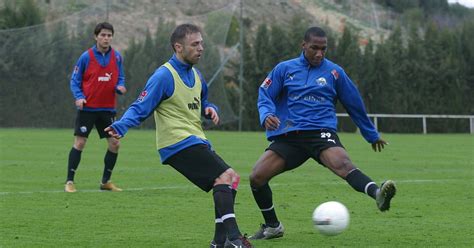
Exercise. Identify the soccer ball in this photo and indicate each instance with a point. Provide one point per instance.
(331, 218)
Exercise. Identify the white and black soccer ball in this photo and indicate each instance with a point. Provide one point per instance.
(331, 218)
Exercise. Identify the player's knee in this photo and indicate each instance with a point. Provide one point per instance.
(343, 167)
(114, 145)
(79, 144)
(347, 164)
(226, 177)
(257, 180)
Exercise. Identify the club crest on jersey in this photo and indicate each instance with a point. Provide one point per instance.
(321, 81)
(266, 83)
(142, 96)
(335, 74)
(107, 77)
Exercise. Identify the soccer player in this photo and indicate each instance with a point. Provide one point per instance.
(176, 94)
(296, 104)
(97, 77)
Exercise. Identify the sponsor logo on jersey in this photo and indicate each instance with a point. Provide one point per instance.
(194, 105)
(266, 83)
(321, 81)
(107, 77)
(335, 74)
(76, 69)
(142, 96)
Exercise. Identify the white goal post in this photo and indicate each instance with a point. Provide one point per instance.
(423, 117)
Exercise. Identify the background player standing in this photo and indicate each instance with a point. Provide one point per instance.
(97, 77)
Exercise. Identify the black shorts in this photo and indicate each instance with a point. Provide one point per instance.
(85, 121)
(199, 164)
(298, 146)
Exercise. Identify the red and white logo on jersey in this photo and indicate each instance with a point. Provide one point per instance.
(142, 95)
(266, 83)
(106, 78)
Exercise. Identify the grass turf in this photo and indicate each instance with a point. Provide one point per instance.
(434, 206)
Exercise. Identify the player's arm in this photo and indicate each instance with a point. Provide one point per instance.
(209, 110)
(350, 98)
(158, 88)
(76, 80)
(120, 88)
(267, 95)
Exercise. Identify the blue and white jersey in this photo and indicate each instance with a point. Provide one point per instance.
(304, 97)
(160, 86)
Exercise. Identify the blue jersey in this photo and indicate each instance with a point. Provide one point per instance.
(160, 86)
(81, 66)
(304, 97)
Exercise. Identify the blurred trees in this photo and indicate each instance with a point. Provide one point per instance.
(417, 70)
(423, 67)
(17, 14)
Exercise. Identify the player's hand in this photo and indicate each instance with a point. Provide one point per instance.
(122, 89)
(211, 112)
(80, 103)
(112, 132)
(272, 122)
(379, 145)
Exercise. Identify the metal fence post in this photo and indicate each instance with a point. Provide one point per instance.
(471, 125)
(424, 125)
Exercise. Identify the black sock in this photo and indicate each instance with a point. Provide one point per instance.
(220, 233)
(234, 194)
(73, 163)
(109, 164)
(224, 204)
(362, 183)
(263, 197)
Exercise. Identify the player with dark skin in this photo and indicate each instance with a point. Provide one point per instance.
(309, 133)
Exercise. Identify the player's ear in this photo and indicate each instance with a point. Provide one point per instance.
(178, 47)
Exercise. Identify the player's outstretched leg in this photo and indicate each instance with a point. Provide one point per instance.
(385, 194)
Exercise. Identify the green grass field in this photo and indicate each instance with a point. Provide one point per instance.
(434, 206)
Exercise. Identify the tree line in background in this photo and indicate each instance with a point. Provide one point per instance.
(425, 66)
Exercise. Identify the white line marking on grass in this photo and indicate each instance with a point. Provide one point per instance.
(192, 186)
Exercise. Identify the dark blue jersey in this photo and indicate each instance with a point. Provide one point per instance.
(304, 97)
